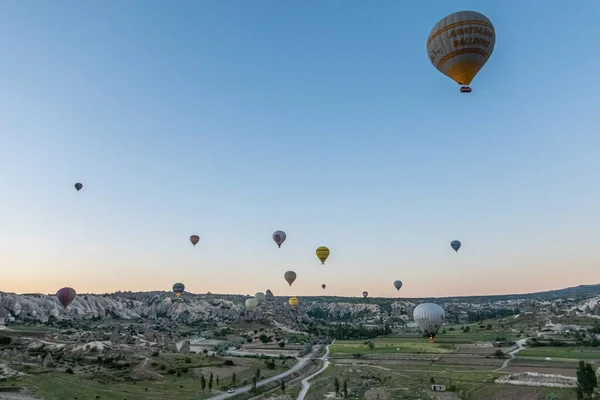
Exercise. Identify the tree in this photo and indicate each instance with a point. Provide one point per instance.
(202, 383)
(345, 389)
(336, 385)
(253, 388)
(233, 378)
(257, 375)
(217, 380)
(432, 381)
(498, 353)
(282, 385)
(586, 380)
(264, 338)
(281, 344)
(371, 345)
(210, 382)
(467, 329)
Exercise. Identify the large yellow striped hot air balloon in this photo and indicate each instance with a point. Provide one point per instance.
(293, 301)
(460, 44)
(322, 254)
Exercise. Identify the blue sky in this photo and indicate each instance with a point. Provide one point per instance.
(232, 119)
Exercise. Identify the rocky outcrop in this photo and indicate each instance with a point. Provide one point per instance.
(48, 361)
(185, 347)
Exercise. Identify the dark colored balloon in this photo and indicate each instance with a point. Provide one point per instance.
(455, 244)
(323, 286)
(78, 186)
(178, 287)
(65, 296)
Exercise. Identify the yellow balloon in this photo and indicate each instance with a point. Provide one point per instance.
(293, 302)
(322, 254)
(177, 294)
(460, 44)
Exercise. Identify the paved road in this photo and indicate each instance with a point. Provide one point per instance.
(305, 384)
(301, 363)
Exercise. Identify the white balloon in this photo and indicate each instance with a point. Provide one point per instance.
(460, 44)
(251, 303)
(429, 317)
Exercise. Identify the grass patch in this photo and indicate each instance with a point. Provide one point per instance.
(390, 345)
(584, 353)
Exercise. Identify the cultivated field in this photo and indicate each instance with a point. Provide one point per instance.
(404, 367)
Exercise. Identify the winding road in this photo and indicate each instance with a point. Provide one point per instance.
(305, 384)
(521, 344)
(301, 363)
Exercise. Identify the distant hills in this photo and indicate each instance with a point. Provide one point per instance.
(576, 291)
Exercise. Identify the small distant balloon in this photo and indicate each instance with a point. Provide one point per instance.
(279, 237)
(178, 288)
(65, 296)
(194, 239)
(251, 303)
(290, 277)
(293, 301)
(323, 286)
(365, 294)
(455, 244)
(78, 186)
(269, 295)
(322, 254)
(260, 297)
(398, 285)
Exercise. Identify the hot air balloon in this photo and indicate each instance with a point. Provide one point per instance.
(260, 297)
(365, 294)
(429, 317)
(455, 244)
(323, 286)
(194, 239)
(322, 254)
(65, 296)
(460, 44)
(178, 288)
(290, 277)
(251, 303)
(398, 285)
(279, 237)
(269, 295)
(293, 301)
(78, 186)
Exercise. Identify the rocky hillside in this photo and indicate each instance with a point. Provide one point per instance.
(212, 309)
(192, 309)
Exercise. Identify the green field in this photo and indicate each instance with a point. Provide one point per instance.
(394, 382)
(475, 335)
(389, 345)
(584, 353)
(172, 376)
